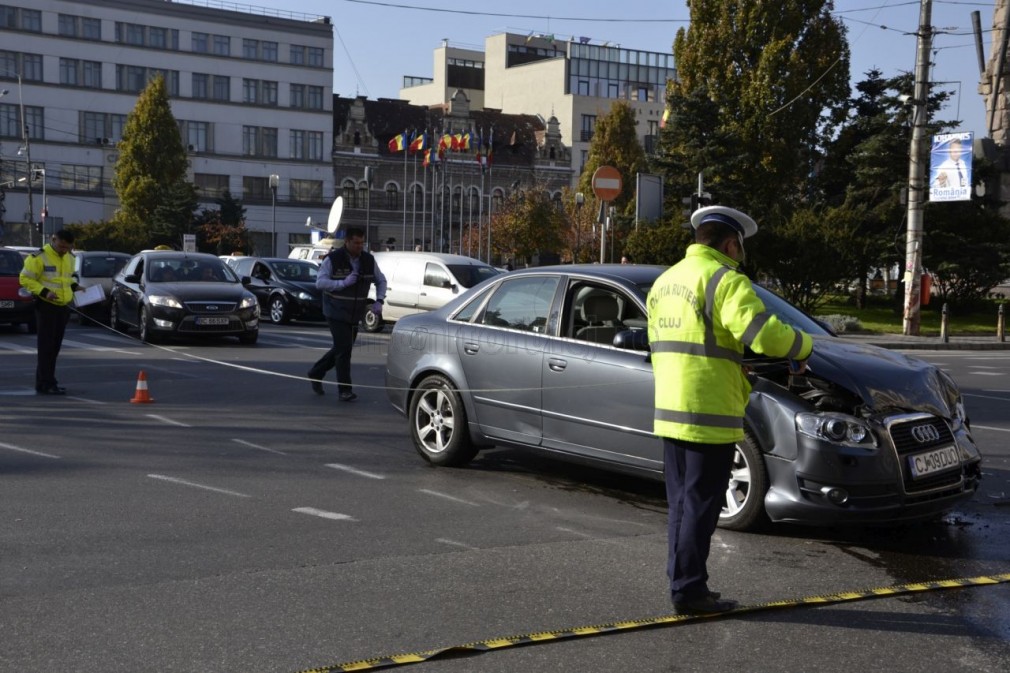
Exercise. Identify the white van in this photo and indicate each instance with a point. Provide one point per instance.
(423, 281)
(313, 253)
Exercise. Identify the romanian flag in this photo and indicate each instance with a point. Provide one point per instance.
(464, 142)
(490, 147)
(477, 144)
(445, 143)
(398, 143)
(419, 144)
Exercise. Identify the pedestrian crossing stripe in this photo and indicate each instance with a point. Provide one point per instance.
(653, 622)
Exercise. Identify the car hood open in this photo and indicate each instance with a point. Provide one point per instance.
(884, 379)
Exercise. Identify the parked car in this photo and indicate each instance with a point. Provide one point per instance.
(556, 359)
(17, 306)
(422, 281)
(169, 293)
(93, 267)
(286, 288)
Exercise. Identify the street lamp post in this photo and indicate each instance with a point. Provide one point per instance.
(274, 181)
(579, 200)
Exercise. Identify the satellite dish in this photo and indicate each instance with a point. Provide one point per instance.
(308, 222)
(336, 210)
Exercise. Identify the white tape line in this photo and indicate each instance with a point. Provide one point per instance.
(183, 482)
(169, 421)
(448, 497)
(352, 470)
(335, 516)
(11, 447)
(257, 446)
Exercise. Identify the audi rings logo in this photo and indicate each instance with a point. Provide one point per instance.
(925, 434)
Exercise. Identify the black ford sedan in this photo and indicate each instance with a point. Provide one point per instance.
(167, 293)
(556, 359)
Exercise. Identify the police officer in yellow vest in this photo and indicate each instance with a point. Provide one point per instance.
(702, 312)
(48, 275)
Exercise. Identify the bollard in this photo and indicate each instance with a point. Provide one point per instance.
(944, 318)
(1000, 324)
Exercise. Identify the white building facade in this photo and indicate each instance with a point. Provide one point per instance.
(252, 93)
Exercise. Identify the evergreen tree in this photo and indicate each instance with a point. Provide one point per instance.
(615, 143)
(151, 158)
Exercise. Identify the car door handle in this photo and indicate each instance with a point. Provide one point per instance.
(557, 364)
(471, 348)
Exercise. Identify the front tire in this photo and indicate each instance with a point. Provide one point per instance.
(147, 334)
(745, 494)
(279, 314)
(438, 423)
(372, 322)
(114, 321)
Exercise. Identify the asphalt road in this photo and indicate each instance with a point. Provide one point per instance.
(242, 523)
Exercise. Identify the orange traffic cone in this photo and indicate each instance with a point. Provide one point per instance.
(142, 396)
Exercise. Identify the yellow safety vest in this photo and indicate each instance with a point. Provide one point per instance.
(45, 269)
(702, 312)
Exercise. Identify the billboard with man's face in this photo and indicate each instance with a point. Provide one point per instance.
(950, 167)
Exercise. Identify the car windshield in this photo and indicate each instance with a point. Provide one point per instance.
(296, 270)
(785, 311)
(11, 262)
(189, 271)
(469, 275)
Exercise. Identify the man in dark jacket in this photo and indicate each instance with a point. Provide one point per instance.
(344, 277)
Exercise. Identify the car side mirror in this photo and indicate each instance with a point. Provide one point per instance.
(632, 339)
(246, 280)
(132, 278)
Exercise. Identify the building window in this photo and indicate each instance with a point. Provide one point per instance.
(588, 127)
(315, 56)
(306, 97)
(268, 51)
(31, 20)
(91, 29)
(297, 55)
(80, 178)
(67, 25)
(69, 70)
(10, 121)
(201, 85)
(221, 88)
(101, 128)
(297, 92)
(200, 43)
(196, 135)
(133, 79)
(222, 45)
(307, 190)
(211, 185)
(250, 48)
(259, 141)
(255, 189)
(74, 72)
(259, 92)
(315, 98)
(363, 196)
(497, 200)
(307, 145)
(31, 67)
(158, 38)
(91, 74)
(348, 192)
(392, 197)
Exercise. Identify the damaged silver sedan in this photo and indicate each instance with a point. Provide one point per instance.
(556, 359)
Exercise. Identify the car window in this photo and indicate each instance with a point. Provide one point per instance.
(469, 275)
(300, 271)
(523, 304)
(94, 266)
(242, 266)
(596, 313)
(470, 309)
(11, 262)
(260, 271)
(435, 275)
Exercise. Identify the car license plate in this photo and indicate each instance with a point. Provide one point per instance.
(6, 303)
(212, 321)
(937, 460)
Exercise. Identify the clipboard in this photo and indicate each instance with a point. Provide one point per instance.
(89, 295)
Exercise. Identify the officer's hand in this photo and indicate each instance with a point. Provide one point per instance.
(351, 279)
(377, 309)
(797, 366)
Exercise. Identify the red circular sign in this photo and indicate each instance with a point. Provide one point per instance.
(607, 183)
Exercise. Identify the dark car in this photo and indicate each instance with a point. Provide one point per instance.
(556, 359)
(167, 293)
(95, 267)
(286, 288)
(16, 305)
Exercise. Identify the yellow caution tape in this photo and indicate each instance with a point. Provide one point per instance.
(667, 620)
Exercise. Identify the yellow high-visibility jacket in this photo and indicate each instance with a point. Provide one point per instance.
(702, 312)
(45, 269)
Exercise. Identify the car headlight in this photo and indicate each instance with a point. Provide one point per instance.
(305, 296)
(164, 300)
(837, 428)
(248, 301)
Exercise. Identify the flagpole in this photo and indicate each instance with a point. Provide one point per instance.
(406, 151)
(413, 207)
(490, 200)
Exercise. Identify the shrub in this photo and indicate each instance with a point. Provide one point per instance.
(842, 323)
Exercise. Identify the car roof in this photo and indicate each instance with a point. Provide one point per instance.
(177, 254)
(636, 274)
(444, 257)
(101, 253)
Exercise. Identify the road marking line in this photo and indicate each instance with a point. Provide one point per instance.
(85, 399)
(169, 421)
(360, 473)
(987, 373)
(448, 497)
(257, 446)
(335, 516)
(183, 482)
(989, 427)
(34, 453)
(987, 397)
(572, 531)
(17, 349)
(456, 544)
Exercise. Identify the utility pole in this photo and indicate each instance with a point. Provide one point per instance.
(28, 158)
(917, 173)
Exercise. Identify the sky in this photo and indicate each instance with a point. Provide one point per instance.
(377, 42)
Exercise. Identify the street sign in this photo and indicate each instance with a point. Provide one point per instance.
(607, 183)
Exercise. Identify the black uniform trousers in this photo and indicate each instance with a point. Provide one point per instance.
(344, 335)
(697, 476)
(51, 321)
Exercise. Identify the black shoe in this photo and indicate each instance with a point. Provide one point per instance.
(51, 390)
(317, 385)
(706, 605)
(348, 397)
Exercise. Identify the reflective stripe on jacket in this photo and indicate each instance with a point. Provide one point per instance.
(45, 269)
(702, 312)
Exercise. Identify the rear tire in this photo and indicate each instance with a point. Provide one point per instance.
(748, 484)
(372, 322)
(438, 423)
